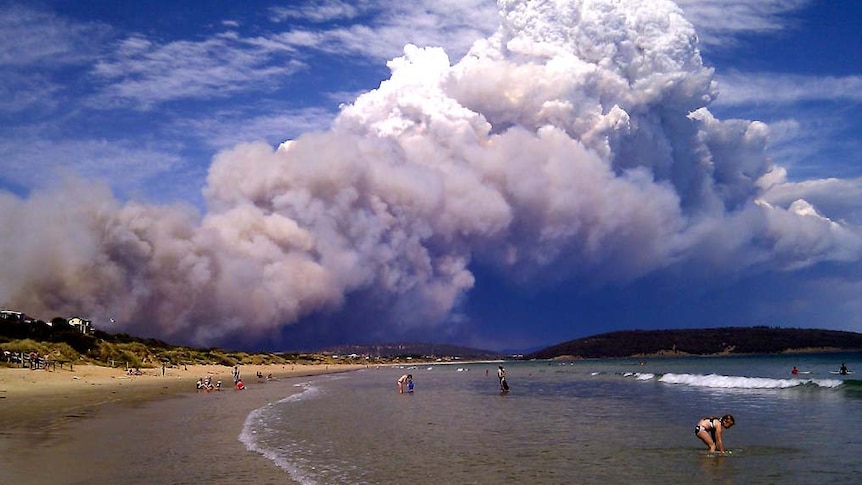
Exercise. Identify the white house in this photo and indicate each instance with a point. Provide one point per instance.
(83, 326)
(14, 316)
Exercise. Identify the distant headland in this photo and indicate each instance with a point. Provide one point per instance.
(706, 341)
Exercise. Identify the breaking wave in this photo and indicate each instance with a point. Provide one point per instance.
(734, 382)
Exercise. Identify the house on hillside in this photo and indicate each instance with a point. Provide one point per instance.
(83, 326)
(12, 316)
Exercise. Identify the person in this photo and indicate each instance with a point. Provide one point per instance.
(403, 380)
(710, 431)
(843, 369)
(501, 375)
(794, 371)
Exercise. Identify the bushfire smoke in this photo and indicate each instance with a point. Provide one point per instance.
(574, 146)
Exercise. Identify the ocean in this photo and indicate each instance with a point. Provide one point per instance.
(591, 421)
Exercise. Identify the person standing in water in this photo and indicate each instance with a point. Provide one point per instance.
(501, 375)
(405, 379)
(710, 429)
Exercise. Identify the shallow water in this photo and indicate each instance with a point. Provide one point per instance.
(604, 421)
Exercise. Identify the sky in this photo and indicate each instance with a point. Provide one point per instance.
(293, 175)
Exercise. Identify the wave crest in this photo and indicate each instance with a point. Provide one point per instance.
(739, 382)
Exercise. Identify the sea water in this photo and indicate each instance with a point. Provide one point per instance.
(591, 421)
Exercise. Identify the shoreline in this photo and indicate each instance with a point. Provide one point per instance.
(99, 425)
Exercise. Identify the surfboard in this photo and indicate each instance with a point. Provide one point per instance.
(505, 385)
(841, 373)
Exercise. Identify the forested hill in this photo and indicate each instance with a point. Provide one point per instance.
(708, 341)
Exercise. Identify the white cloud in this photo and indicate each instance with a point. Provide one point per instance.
(322, 11)
(34, 92)
(839, 199)
(721, 22)
(36, 162)
(454, 25)
(810, 117)
(145, 73)
(35, 37)
(229, 128)
(38, 48)
(752, 89)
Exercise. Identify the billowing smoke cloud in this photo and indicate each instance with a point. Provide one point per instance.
(574, 146)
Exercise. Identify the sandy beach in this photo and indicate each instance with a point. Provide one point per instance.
(95, 424)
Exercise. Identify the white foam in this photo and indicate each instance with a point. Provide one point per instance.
(248, 434)
(738, 382)
(638, 375)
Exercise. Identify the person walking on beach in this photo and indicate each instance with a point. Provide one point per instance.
(710, 429)
(501, 375)
(404, 380)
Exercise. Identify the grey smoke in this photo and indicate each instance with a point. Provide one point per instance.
(574, 145)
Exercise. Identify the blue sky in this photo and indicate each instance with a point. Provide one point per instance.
(289, 175)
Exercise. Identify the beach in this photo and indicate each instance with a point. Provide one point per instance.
(92, 424)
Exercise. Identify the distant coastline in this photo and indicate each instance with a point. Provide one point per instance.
(669, 354)
(713, 342)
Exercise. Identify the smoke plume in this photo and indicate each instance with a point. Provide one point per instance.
(574, 146)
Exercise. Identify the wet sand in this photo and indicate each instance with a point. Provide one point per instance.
(98, 425)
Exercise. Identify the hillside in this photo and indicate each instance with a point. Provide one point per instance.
(59, 342)
(708, 341)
